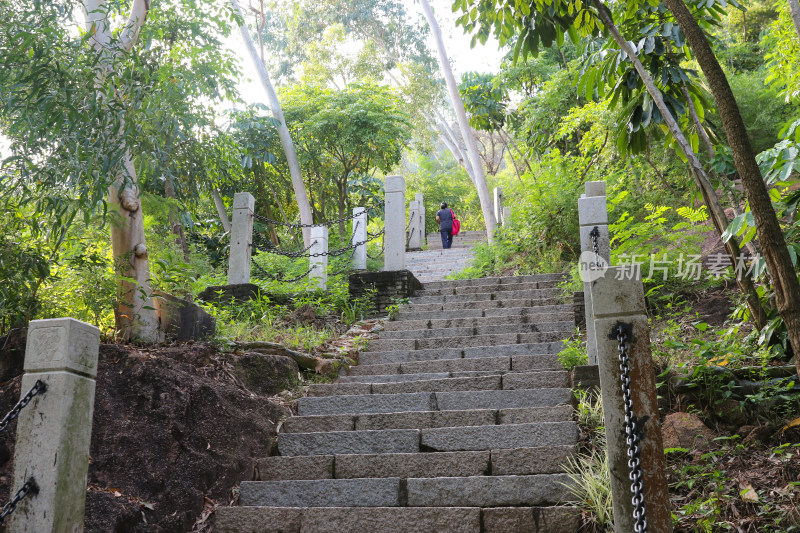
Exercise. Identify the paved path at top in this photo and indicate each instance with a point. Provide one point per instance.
(434, 264)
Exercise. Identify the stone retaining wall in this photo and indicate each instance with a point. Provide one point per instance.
(388, 286)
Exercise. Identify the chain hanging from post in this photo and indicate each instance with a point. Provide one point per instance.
(261, 246)
(327, 223)
(373, 236)
(595, 235)
(349, 262)
(279, 277)
(30, 487)
(410, 234)
(632, 433)
(40, 387)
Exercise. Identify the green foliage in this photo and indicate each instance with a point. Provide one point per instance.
(588, 471)
(441, 179)
(485, 99)
(783, 55)
(343, 137)
(22, 270)
(573, 354)
(711, 495)
(763, 112)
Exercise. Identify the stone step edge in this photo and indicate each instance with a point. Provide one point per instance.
(516, 381)
(426, 419)
(492, 462)
(252, 519)
(398, 367)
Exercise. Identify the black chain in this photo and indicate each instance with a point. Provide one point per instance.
(279, 277)
(373, 236)
(327, 223)
(40, 387)
(271, 250)
(349, 263)
(595, 235)
(632, 435)
(410, 234)
(30, 487)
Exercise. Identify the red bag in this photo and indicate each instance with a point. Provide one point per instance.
(456, 224)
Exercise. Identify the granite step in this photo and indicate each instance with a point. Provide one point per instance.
(411, 441)
(474, 491)
(539, 319)
(426, 419)
(495, 280)
(506, 363)
(465, 341)
(528, 294)
(492, 381)
(514, 324)
(548, 459)
(432, 401)
(429, 354)
(555, 519)
(450, 314)
(478, 289)
(486, 305)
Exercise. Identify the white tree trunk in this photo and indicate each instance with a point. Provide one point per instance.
(450, 140)
(794, 13)
(223, 215)
(135, 315)
(299, 187)
(463, 124)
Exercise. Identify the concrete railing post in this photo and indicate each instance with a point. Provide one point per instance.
(423, 240)
(498, 205)
(618, 301)
(359, 235)
(592, 213)
(413, 239)
(319, 264)
(54, 431)
(395, 223)
(241, 238)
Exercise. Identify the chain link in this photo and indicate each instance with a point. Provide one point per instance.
(327, 223)
(595, 235)
(40, 387)
(279, 277)
(30, 487)
(272, 250)
(632, 434)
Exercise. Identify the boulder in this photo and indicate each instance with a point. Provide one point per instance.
(182, 320)
(685, 430)
(265, 374)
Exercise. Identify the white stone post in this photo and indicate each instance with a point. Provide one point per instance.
(54, 431)
(593, 213)
(241, 238)
(394, 255)
(498, 204)
(413, 240)
(419, 197)
(506, 215)
(319, 265)
(360, 234)
(618, 301)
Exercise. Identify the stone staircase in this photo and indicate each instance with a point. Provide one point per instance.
(456, 420)
(435, 263)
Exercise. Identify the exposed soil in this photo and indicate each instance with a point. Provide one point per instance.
(174, 432)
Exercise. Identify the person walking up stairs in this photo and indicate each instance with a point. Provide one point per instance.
(436, 263)
(456, 420)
